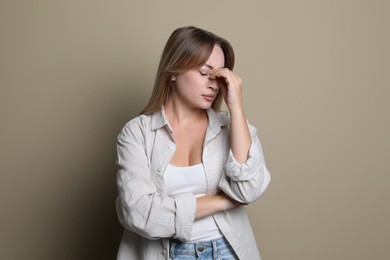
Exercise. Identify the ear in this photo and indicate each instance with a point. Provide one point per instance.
(173, 78)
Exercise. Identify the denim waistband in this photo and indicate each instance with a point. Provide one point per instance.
(198, 249)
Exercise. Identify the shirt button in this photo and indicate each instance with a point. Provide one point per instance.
(200, 248)
(171, 147)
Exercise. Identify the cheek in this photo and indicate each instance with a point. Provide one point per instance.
(192, 81)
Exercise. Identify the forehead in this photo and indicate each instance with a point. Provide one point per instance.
(216, 59)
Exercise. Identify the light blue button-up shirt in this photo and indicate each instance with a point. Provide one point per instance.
(145, 147)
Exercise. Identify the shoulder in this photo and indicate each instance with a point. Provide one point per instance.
(220, 118)
(135, 127)
(224, 118)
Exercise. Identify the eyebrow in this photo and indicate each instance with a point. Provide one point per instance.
(209, 66)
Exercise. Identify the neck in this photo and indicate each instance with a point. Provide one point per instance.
(181, 114)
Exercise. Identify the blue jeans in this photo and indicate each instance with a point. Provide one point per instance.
(219, 249)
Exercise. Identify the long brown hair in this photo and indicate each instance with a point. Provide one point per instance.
(187, 48)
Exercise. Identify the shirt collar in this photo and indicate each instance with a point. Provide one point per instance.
(216, 121)
(159, 120)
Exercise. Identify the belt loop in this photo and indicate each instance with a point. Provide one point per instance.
(215, 249)
(168, 249)
(171, 249)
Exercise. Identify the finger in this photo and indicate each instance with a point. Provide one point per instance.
(227, 74)
(221, 74)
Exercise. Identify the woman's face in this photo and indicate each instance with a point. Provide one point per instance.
(194, 87)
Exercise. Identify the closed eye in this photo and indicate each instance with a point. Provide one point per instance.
(203, 74)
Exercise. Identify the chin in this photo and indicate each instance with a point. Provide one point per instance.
(205, 107)
(201, 105)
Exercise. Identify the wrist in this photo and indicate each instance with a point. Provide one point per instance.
(236, 110)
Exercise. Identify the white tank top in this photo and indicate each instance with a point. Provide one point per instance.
(192, 179)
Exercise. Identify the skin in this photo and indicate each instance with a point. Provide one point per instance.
(192, 93)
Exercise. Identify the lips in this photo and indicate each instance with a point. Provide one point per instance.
(209, 98)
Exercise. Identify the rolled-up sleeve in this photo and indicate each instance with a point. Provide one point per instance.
(245, 182)
(140, 206)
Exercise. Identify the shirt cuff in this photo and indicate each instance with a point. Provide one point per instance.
(243, 171)
(185, 215)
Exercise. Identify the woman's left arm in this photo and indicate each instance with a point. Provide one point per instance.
(246, 175)
(231, 87)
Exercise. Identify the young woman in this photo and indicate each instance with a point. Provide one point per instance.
(186, 170)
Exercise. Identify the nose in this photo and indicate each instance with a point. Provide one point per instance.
(213, 84)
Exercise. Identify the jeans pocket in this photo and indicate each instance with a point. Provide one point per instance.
(226, 252)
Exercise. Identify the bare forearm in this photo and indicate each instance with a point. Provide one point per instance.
(240, 136)
(231, 87)
(208, 205)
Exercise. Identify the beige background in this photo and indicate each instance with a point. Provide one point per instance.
(316, 78)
